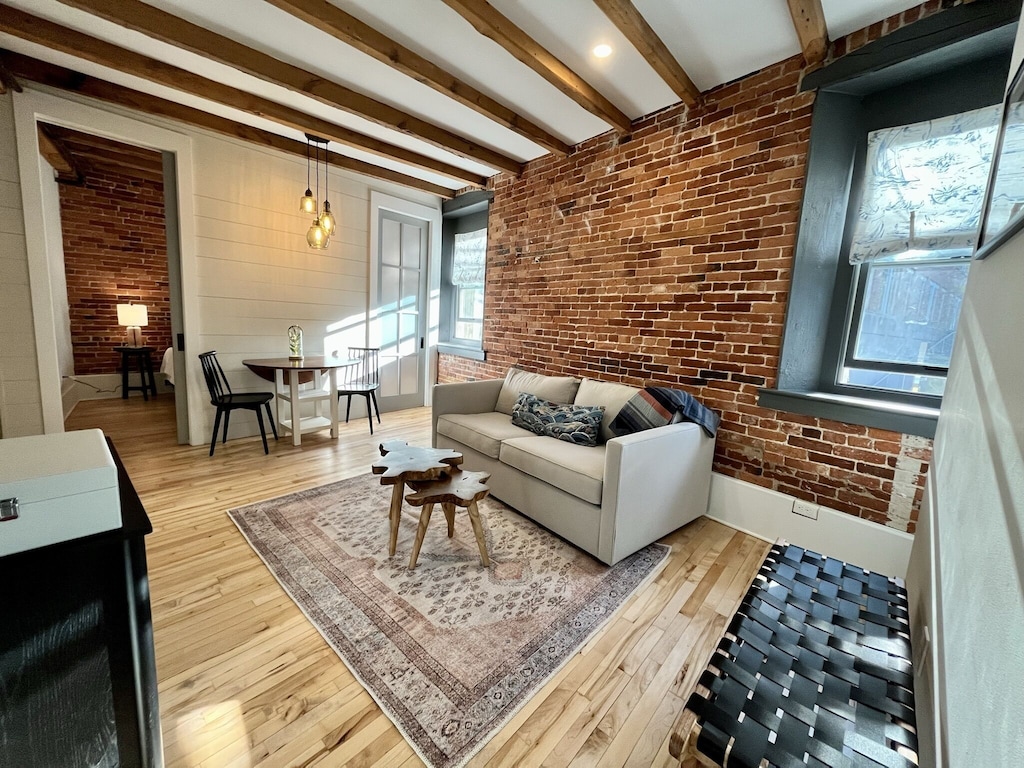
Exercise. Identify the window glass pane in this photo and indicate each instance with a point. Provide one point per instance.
(470, 331)
(897, 382)
(909, 313)
(471, 303)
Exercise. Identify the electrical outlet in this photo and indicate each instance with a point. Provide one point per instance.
(806, 509)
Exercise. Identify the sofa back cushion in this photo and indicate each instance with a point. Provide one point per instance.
(611, 396)
(557, 389)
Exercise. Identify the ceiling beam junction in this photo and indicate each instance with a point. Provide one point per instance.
(57, 155)
(809, 22)
(364, 38)
(624, 15)
(61, 78)
(8, 82)
(493, 25)
(50, 35)
(173, 30)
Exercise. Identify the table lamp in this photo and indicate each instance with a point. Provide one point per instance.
(133, 316)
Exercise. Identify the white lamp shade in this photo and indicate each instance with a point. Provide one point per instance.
(132, 315)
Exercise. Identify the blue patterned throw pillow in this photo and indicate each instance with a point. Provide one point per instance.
(578, 424)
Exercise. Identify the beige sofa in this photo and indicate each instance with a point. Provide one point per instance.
(610, 500)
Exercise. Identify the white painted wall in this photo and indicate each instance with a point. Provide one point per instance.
(58, 277)
(966, 575)
(253, 274)
(21, 411)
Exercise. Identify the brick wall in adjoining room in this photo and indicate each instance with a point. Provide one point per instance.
(115, 252)
(664, 257)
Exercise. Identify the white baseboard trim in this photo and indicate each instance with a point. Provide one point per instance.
(769, 515)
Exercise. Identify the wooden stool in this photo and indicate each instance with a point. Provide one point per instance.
(461, 488)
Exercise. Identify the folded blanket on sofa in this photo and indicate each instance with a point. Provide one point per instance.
(658, 406)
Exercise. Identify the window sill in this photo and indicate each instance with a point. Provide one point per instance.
(865, 411)
(473, 353)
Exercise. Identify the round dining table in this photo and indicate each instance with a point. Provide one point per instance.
(287, 374)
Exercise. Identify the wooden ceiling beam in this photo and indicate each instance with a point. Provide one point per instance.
(624, 15)
(113, 159)
(8, 82)
(364, 38)
(809, 22)
(61, 78)
(50, 35)
(176, 31)
(58, 156)
(493, 25)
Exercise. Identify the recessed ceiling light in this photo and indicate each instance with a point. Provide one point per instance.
(602, 51)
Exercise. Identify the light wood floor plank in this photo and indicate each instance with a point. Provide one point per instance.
(246, 681)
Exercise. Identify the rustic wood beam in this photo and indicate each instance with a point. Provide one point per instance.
(8, 82)
(125, 162)
(58, 156)
(50, 35)
(624, 15)
(171, 29)
(492, 24)
(55, 76)
(809, 22)
(364, 38)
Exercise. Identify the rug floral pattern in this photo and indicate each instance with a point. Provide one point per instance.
(450, 650)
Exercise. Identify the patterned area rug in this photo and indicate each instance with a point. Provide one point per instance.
(451, 650)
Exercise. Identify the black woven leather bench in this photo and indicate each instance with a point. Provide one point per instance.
(814, 670)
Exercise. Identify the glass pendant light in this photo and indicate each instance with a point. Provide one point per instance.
(317, 237)
(327, 218)
(307, 204)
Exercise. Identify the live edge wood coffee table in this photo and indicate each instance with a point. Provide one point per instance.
(402, 464)
(460, 488)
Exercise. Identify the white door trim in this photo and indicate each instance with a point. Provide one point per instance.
(432, 309)
(31, 106)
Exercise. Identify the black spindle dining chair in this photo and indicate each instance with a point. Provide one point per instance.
(362, 378)
(226, 401)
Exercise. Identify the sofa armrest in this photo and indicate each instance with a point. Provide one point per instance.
(655, 482)
(463, 397)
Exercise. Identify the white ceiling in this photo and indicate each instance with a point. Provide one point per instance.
(714, 41)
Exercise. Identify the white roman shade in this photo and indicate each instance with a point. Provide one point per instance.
(924, 185)
(469, 257)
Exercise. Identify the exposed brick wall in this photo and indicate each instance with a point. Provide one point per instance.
(115, 252)
(664, 257)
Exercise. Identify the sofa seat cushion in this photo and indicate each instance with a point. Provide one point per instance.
(482, 432)
(575, 469)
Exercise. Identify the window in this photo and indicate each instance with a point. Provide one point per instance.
(917, 223)
(463, 274)
(868, 342)
(469, 259)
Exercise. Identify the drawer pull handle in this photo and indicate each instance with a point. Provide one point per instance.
(9, 509)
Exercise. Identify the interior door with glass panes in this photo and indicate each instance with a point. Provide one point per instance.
(401, 309)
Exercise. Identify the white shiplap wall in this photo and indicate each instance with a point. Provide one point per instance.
(21, 411)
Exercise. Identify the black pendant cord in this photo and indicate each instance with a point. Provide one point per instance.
(307, 163)
(327, 176)
(317, 178)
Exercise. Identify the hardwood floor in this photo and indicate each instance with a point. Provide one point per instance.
(246, 681)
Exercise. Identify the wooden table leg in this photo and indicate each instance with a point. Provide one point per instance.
(474, 518)
(449, 513)
(421, 531)
(395, 515)
(293, 390)
(333, 374)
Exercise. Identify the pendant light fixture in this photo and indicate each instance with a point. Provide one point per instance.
(308, 203)
(319, 234)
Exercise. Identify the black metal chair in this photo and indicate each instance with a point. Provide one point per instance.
(226, 401)
(363, 379)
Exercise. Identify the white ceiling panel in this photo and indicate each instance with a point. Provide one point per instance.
(843, 16)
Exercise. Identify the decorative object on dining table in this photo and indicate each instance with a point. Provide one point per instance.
(294, 342)
(449, 651)
(1003, 212)
(133, 317)
(319, 234)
